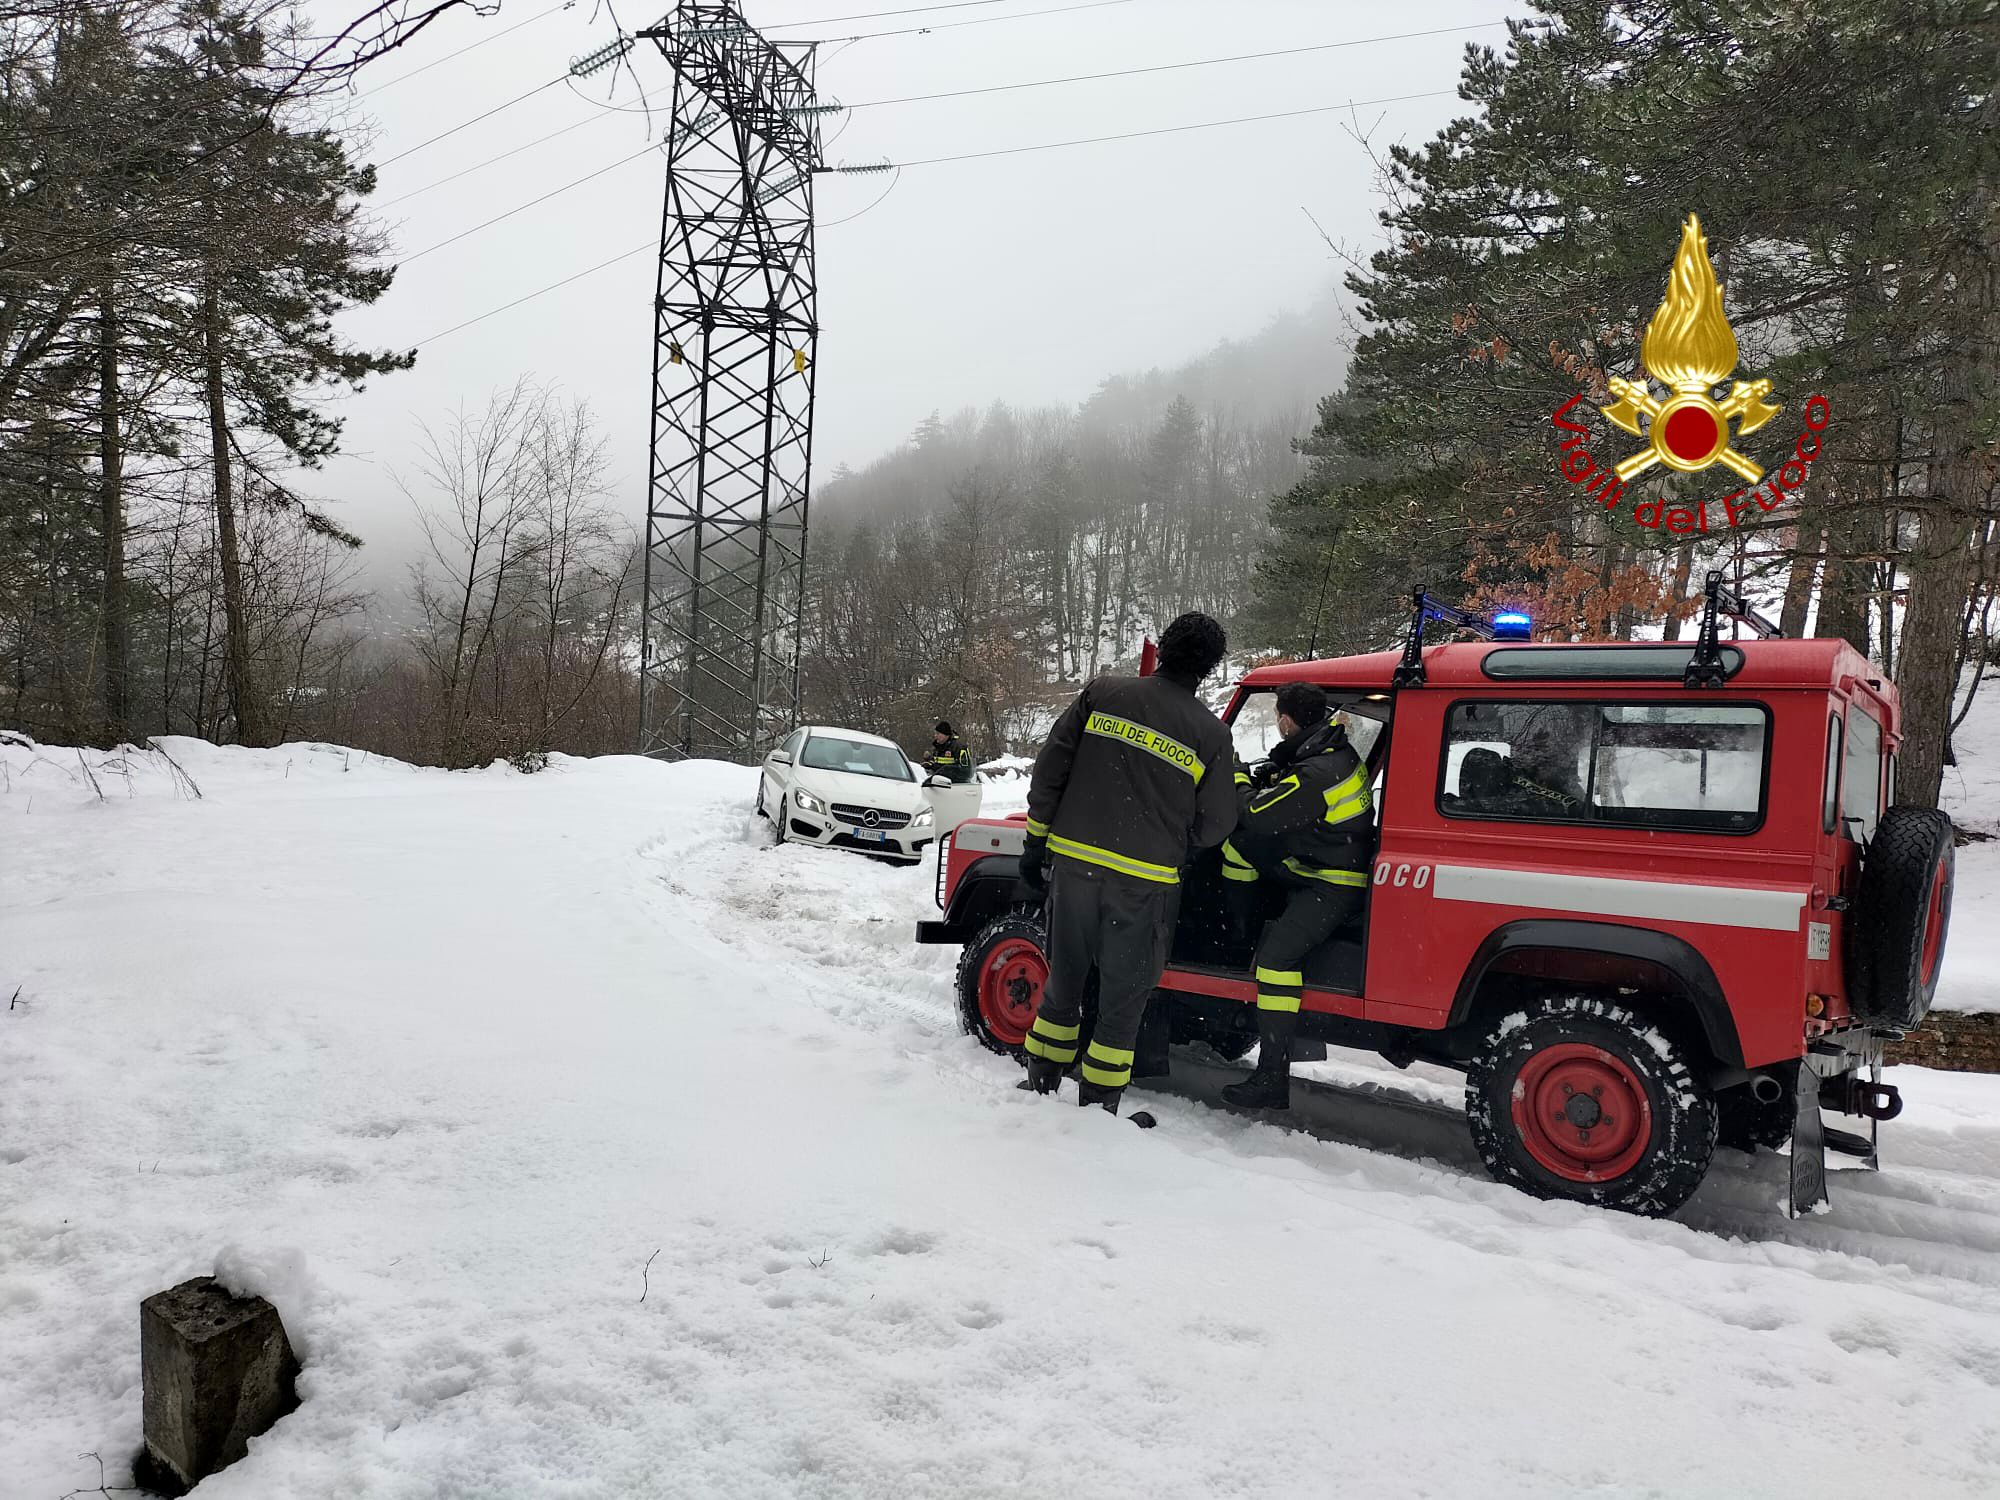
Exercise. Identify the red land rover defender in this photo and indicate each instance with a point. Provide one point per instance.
(1647, 897)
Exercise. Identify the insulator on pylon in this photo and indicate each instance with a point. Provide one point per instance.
(855, 169)
(779, 189)
(602, 58)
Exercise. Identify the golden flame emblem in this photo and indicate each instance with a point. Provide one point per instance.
(1689, 348)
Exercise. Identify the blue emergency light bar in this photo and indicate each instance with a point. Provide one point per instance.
(1512, 625)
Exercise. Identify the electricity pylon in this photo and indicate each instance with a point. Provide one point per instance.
(736, 327)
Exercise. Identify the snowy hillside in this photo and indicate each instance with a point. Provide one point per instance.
(591, 1147)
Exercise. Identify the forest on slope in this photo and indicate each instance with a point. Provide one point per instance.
(998, 558)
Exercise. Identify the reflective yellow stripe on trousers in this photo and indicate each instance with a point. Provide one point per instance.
(1280, 989)
(1107, 1067)
(1047, 1040)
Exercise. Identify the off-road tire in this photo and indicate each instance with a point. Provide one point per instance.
(1562, 1046)
(1001, 941)
(1743, 1124)
(1894, 937)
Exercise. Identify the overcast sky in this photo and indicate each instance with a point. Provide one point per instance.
(1024, 278)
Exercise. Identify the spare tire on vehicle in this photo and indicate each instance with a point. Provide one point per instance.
(1896, 928)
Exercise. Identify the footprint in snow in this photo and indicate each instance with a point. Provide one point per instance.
(902, 1242)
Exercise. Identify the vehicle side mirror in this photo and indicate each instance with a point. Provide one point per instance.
(933, 782)
(781, 757)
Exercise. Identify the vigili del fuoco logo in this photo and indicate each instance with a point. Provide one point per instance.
(1690, 349)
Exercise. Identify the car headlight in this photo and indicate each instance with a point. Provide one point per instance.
(923, 819)
(807, 802)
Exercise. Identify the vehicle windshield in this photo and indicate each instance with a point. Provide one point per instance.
(825, 752)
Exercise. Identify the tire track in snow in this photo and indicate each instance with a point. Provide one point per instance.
(840, 922)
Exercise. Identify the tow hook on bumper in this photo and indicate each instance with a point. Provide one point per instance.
(1852, 1094)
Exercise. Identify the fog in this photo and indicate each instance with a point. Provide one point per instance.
(1025, 278)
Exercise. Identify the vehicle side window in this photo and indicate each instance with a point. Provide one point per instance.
(1861, 783)
(792, 745)
(1830, 809)
(1698, 766)
(1692, 766)
(1255, 727)
(1517, 760)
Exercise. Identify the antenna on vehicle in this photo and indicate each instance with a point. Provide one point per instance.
(1424, 609)
(1706, 668)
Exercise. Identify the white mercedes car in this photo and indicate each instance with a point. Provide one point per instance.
(840, 788)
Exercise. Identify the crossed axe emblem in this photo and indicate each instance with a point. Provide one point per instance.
(1688, 431)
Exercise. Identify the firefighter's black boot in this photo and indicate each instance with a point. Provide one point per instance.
(1096, 1093)
(1270, 1085)
(1043, 1076)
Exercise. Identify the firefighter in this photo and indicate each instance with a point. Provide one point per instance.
(1311, 829)
(949, 757)
(1134, 780)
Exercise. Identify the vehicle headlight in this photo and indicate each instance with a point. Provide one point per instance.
(807, 801)
(923, 819)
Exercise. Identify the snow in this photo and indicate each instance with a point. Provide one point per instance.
(591, 1146)
(1971, 794)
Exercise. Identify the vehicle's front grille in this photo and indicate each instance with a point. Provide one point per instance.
(944, 864)
(853, 812)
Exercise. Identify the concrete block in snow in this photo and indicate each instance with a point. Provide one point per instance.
(218, 1371)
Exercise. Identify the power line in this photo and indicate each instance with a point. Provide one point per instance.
(850, 218)
(931, 161)
(1201, 62)
(476, 166)
(1133, 135)
(1025, 15)
(439, 62)
(468, 124)
(494, 312)
(874, 15)
(623, 109)
(532, 202)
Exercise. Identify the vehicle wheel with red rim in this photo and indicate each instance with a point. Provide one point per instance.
(1000, 977)
(1895, 934)
(1583, 1098)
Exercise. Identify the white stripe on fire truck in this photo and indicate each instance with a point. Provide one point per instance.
(1604, 896)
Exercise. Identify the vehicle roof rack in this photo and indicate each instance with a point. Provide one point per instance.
(1706, 668)
(1424, 609)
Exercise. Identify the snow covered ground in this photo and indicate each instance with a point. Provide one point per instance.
(591, 1147)
(1971, 794)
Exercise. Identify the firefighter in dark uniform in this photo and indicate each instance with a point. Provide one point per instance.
(1311, 828)
(948, 757)
(1134, 780)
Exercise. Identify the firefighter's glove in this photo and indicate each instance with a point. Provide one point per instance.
(1034, 867)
